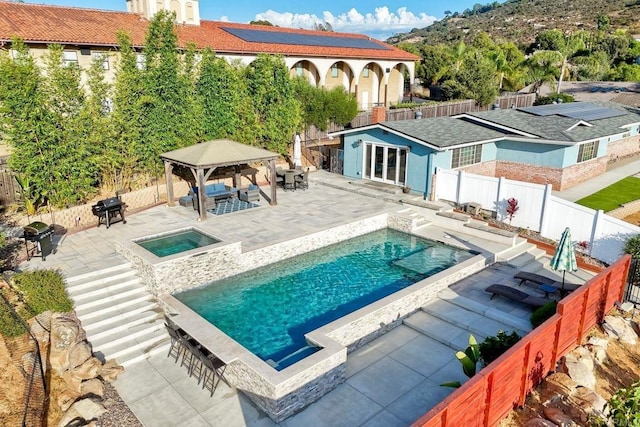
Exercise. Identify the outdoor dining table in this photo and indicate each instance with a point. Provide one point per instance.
(293, 173)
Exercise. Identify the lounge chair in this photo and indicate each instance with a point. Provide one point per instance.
(517, 295)
(538, 279)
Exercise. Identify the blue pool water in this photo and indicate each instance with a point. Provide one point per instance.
(175, 243)
(268, 310)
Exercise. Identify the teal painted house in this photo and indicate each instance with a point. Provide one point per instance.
(559, 144)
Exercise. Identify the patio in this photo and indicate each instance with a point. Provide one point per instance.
(390, 381)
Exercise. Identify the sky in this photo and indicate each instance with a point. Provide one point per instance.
(379, 19)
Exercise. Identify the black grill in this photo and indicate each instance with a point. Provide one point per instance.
(106, 210)
(41, 235)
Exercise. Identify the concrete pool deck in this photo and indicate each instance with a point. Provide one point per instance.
(390, 381)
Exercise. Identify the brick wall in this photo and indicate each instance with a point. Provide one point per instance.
(560, 179)
(485, 168)
(625, 148)
(378, 114)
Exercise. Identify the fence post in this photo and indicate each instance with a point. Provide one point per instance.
(595, 229)
(499, 196)
(544, 218)
(461, 176)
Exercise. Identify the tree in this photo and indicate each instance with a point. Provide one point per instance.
(261, 22)
(319, 106)
(119, 161)
(220, 91)
(277, 111)
(476, 75)
(543, 68)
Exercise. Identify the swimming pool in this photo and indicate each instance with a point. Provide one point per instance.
(269, 310)
(176, 242)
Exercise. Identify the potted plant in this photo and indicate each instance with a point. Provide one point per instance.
(406, 189)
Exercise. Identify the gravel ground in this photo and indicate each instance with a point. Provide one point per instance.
(118, 413)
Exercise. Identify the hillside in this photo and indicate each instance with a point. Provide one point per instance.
(520, 20)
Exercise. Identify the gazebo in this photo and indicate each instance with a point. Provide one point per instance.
(204, 158)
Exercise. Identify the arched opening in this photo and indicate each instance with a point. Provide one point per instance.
(340, 74)
(370, 82)
(189, 11)
(175, 7)
(307, 70)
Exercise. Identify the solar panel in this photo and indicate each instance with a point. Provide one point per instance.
(278, 37)
(575, 110)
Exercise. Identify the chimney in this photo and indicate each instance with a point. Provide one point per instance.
(378, 114)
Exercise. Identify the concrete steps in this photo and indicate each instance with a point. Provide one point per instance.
(451, 318)
(120, 317)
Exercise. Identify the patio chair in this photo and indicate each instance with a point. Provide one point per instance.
(302, 180)
(289, 181)
(213, 372)
(279, 176)
(176, 349)
(517, 295)
(250, 194)
(539, 279)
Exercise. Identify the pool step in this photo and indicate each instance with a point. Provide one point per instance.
(120, 316)
(440, 330)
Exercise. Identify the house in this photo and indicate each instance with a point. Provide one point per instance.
(558, 144)
(370, 69)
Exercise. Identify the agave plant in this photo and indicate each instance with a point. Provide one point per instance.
(469, 359)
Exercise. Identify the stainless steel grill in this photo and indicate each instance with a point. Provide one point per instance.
(108, 209)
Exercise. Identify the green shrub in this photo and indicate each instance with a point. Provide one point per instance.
(43, 290)
(404, 105)
(541, 314)
(494, 346)
(10, 326)
(624, 406)
(632, 246)
(546, 100)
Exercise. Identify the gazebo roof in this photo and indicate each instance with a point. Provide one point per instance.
(217, 153)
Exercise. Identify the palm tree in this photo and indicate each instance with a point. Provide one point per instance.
(543, 68)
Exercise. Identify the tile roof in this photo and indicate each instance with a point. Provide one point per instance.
(92, 27)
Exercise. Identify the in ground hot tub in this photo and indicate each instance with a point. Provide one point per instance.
(176, 242)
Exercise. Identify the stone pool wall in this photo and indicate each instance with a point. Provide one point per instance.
(181, 272)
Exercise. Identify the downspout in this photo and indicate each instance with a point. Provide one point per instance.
(427, 190)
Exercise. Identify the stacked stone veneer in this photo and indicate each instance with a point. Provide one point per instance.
(283, 393)
(226, 259)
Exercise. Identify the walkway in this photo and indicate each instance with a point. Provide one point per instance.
(391, 381)
(615, 172)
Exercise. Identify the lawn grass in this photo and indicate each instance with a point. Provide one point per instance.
(611, 197)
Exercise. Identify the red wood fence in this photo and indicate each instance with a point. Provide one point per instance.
(504, 384)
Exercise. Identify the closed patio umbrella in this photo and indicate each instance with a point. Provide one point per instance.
(565, 257)
(297, 152)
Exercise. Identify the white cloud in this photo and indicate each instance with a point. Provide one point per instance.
(382, 23)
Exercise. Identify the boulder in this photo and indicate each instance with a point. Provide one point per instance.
(618, 327)
(64, 333)
(92, 387)
(539, 422)
(590, 402)
(66, 398)
(84, 409)
(111, 370)
(598, 347)
(557, 383)
(578, 364)
(558, 417)
(79, 353)
(40, 326)
(91, 368)
(72, 382)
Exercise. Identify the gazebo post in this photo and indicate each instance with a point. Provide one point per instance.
(168, 174)
(201, 195)
(272, 174)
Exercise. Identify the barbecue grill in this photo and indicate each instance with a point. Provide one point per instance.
(41, 235)
(106, 210)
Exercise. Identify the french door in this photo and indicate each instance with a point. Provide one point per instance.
(385, 163)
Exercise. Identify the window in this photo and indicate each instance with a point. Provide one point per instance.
(365, 71)
(140, 61)
(466, 156)
(69, 58)
(588, 151)
(334, 70)
(16, 55)
(101, 56)
(299, 69)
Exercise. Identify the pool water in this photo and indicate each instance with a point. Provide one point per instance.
(175, 243)
(270, 309)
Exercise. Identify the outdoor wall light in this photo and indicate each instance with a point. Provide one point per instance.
(359, 142)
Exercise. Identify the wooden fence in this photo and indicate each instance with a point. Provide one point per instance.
(504, 384)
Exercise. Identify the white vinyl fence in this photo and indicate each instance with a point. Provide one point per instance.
(538, 211)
